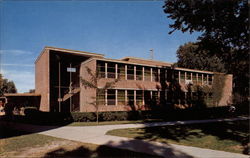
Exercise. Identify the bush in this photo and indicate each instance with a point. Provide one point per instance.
(83, 116)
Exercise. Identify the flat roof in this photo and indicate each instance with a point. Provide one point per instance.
(82, 53)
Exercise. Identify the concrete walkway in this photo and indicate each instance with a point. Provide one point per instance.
(97, 135)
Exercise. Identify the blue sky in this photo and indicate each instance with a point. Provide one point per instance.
(114, 28)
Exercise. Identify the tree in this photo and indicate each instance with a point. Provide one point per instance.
(93, 84)
(6, 86)
(224, 28)
(189, 56)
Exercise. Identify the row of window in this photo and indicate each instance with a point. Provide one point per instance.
(135, 72)
(146, 97)
(126, 97)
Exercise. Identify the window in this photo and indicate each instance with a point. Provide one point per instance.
(111, 96)
(155, 74)
(188, 76)
(182, 79)
(205, 79)
(139, 98)
(155, 97)
(147, 74)
(138, 72)
(176, 76)
(121, 97)
(100, 97)
(101, 69)
(199, 78)
(210, 79)
(111, 70)
(130, 97)
(121, 71)
(194, 78)
(130, 72)
(147, 97)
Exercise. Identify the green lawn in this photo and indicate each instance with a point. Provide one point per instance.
(111, 122)
(19, 144)
(226, 136)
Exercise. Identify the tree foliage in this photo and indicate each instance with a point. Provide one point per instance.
(189, 56)
(92, 83)
(6, 86)
(224, 28)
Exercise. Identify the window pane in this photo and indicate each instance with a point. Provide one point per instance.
(139, 97)
(130, 97)
(121, 97)
(101, 69)
(147, 74)
(130, 72)
(100, 97)
(111, 96)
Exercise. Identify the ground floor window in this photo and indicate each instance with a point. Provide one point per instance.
(111, 97)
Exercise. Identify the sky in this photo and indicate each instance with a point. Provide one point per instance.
(114, 28)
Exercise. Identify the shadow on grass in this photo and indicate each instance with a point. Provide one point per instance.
(226, 132)
(107, 151)
(16, 125)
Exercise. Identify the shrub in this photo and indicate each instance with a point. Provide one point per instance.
(83, 116)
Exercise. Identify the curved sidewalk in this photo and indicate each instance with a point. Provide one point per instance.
(97, 135)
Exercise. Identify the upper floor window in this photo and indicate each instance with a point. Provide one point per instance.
(111, 70)
(199, 78)
(147, 74)
(121, 71)
(101, 69)
(138, 72)
(182, 77)
(130, 72)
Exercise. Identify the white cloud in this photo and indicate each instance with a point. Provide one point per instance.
(24, 80)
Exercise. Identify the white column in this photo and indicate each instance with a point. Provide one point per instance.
(202, 79)
(134, 72)
(191, 76)
(159, 96)
(116, 97)
(151, 74)
(126, 68)
(116, 71)
(159, 75)
(134, 97)
(207, 79)
(106, 70)
(106, 97)
(143, 73)
(212, 79)
(179, 74)
(126, 95)
(197, 77)
(143, 100)
(166, 75)
(151, 94)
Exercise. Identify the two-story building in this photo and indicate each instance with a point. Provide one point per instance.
(137, 83)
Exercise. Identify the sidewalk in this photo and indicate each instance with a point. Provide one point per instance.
(96, 135)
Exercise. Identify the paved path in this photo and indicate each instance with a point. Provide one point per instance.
(96, 135)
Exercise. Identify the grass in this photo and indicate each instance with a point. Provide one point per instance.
(19, 144)
(112, 122)
(226, 136)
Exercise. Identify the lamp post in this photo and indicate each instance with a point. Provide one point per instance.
(59, 83)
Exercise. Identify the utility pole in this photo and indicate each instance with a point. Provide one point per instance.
(70, 88)
(59, 84)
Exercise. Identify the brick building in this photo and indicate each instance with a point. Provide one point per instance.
(142, 84)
